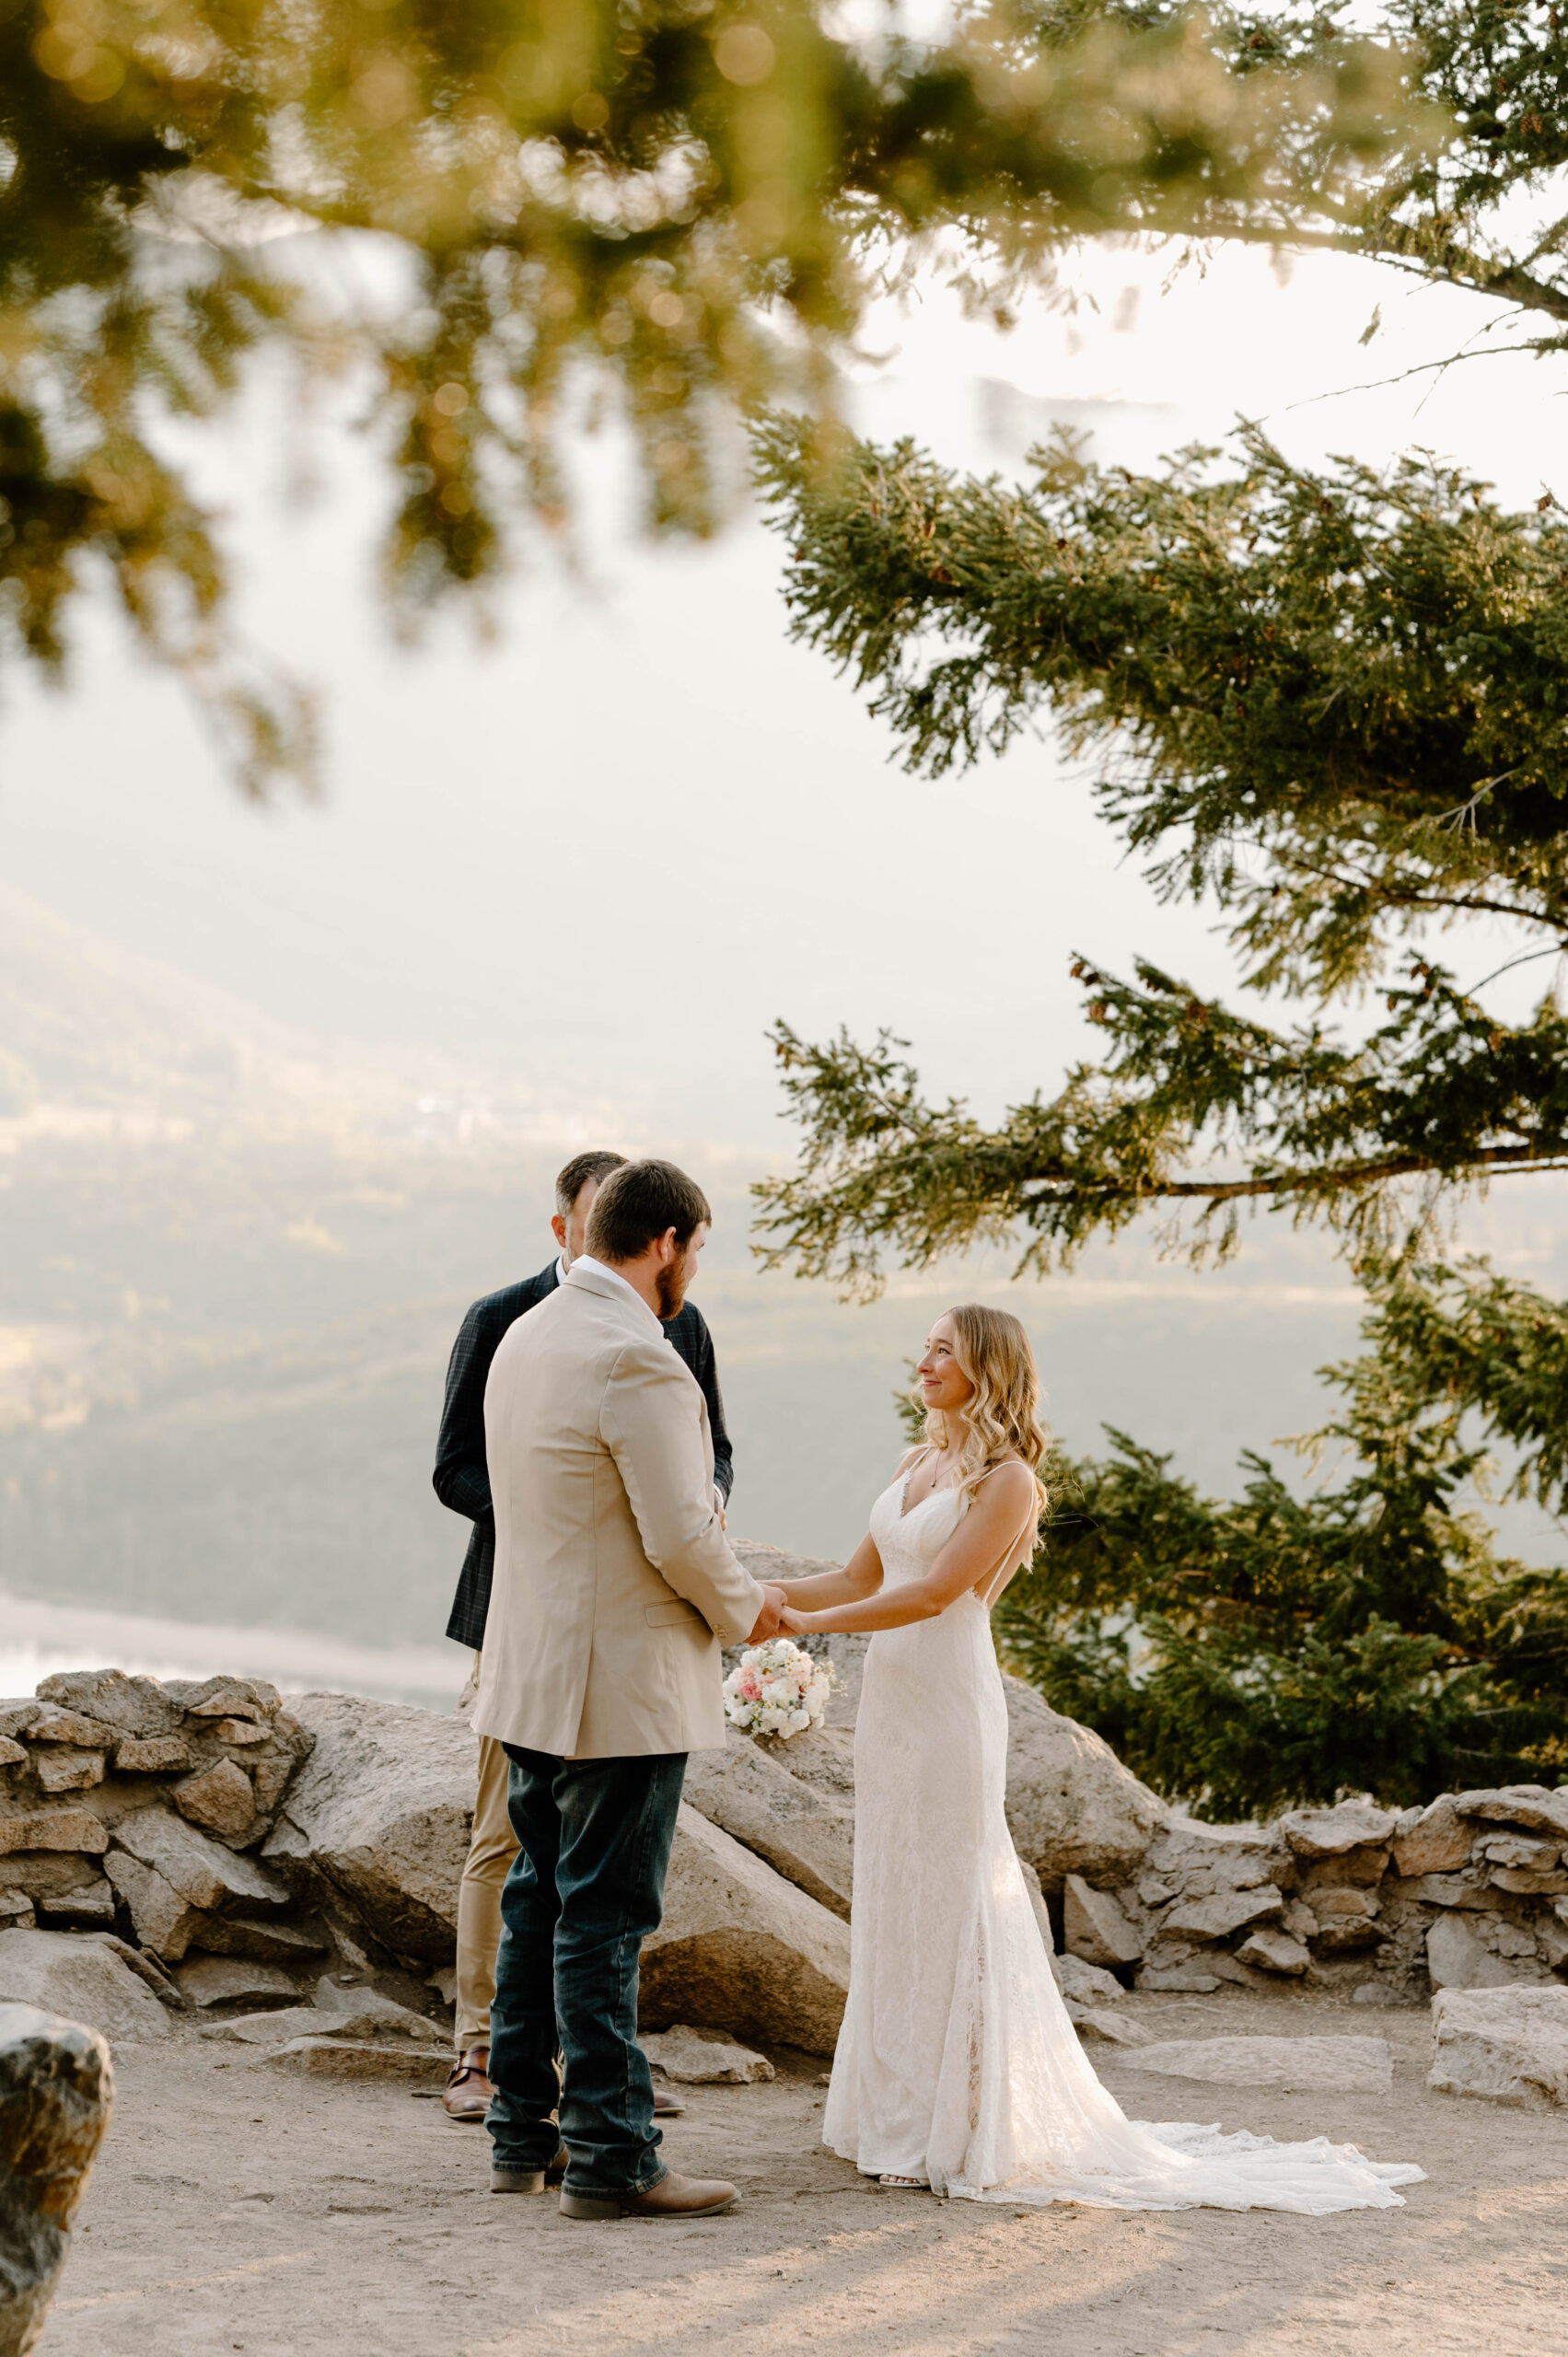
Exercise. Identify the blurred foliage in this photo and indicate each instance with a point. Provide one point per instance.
(1276, 1649)
(694, 197)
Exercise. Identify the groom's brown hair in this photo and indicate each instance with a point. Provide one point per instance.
(640, 1202)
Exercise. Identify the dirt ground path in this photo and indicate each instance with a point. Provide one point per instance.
(235, 2208)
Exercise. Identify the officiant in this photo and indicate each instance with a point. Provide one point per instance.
(462, 1483)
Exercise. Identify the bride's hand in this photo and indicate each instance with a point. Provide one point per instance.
(792, 1623)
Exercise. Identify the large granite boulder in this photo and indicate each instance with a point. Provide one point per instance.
(56, 2095)
(806, 1834)
(1073, 1807)
(380, 1816)
(741, 1949)
(82, 1978)
(1507, 2045)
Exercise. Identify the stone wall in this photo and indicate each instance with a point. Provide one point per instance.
(1469, 1892)
(233, 1852)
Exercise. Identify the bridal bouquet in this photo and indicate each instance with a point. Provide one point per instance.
(778, 1689)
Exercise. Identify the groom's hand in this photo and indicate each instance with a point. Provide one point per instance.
(770, 1617)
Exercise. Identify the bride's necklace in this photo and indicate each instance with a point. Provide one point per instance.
(939, 1481)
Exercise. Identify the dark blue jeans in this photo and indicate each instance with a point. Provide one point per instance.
(584, 1890)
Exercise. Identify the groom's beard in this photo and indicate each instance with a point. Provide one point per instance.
(670, 1286)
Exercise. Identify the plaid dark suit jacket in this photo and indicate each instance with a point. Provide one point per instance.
(461, 1477)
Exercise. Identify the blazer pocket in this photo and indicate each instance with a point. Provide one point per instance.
(662, 1615)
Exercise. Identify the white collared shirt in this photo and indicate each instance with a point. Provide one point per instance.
(602, 1268)
(560, 1265)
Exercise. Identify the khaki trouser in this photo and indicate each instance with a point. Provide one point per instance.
(492, 1848)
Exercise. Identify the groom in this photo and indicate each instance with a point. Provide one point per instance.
(614, 1588)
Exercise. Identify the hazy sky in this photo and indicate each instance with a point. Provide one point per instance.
(606, 849)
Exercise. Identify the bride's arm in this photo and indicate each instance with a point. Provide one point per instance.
(989, 1531)
(861, 1577)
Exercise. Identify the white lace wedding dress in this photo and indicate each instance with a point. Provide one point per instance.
(957, 2063)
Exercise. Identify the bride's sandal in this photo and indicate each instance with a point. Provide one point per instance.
(903, 2184)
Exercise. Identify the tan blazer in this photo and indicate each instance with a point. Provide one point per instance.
(614, 1582)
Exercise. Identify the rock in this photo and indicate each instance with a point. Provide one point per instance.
(804, 1834)
(1456, 1958)
(85, 1981)
(1524, 1884)
(155, 1755)
(202, 1871)
(1329, 1832)
(17, 1716)
(1349, 2065)
(742, 1949)
(822, 1757)
(1531, 1806)
(704, 2057)
(162, 1919)
(16, 1907)
(1085, 1984)
(1197, 1860)
(225, 1698)
(1450, 1890)
(46, 1874)
(12, 1754)
(56, 2095)
(263, 1943)
(1347, 1918)
(1375, 1992)
(145, 1967)
(1094, 1927)
(1217, 1917)
(1072, 1807)
(1098, 2023)
(380, 1814)
(1439, 1842)
(232, 1980)
(221, 1798)
(1519, 1850)
(54, 1828)
(1186, 1978)
(342, 2058)
(74, 1728)
(355, 2013)
(1507, 2045)
(68, 1772)
(237, 1731)
(136, 1706)
(89, 1908)
(1271, 1951)
(1551, 1939)
(1298, 1919)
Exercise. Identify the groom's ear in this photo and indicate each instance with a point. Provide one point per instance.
(558, 1229)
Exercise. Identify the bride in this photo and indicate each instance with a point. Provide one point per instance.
(957, 2067)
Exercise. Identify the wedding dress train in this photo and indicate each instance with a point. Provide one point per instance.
(957, 2063)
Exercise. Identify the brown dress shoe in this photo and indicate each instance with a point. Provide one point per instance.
(672, 2197)
(468, 2091)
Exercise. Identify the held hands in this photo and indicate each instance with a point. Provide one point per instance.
(769, 1618)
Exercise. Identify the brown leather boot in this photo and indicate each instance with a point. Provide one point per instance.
(468, 2091)
(672, 2197)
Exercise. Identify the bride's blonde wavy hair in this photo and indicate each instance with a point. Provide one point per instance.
(1003, 1416)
